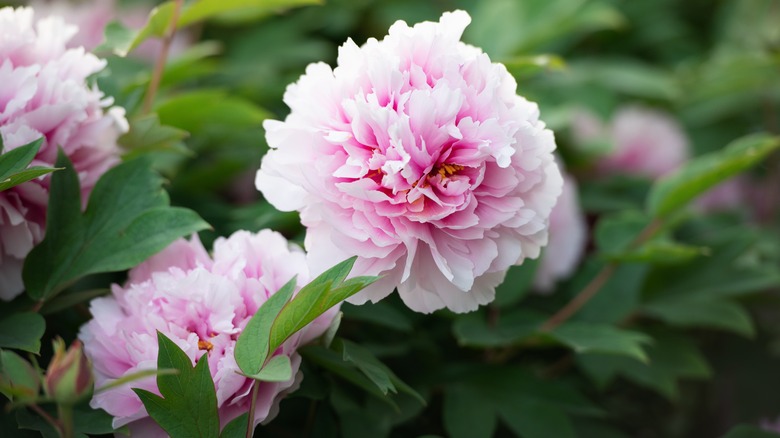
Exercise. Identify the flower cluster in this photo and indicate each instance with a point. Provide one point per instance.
(417, 155)
(201, 303)
(44, 93)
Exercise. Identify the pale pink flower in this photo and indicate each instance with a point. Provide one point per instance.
(90, 17)
(730, 194)
(202, 304)
(417, 155)
(44, 92)
(568, 237)
(644, 141)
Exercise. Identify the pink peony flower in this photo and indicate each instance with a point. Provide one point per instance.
(645, 142)
(415, 154)
(43, 92)
(201, 303)
(568, 237)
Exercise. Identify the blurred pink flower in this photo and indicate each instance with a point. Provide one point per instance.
(730, 194)
(43, 92)
(568, 237)
(90, 17)
(201, 303)
(644, 141)
(417, 155)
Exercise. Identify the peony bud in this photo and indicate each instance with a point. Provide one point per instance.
(69, 376)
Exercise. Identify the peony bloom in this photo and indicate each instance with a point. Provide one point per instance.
(201, 303)
(568, 237)
(644, 141)
(43, 92)
(417, 155)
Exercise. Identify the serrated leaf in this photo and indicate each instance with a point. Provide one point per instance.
(127, 220)
(672, 192)
(252, 346)
(585, 337)
(22, 331)
(188, 406)
(278, 369)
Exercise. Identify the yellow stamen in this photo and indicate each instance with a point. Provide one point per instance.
(205, 345)
(449, 169)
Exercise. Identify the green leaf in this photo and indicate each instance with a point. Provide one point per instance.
(661, 252)
(194, 111)
(158, 22)
(380, 313)
(749, 431)
(13, 165)
(127, 220)
(278, 369)
(473, 330)
(467, 414)
(117, 39)
(18, 159)
(536, 420)
(335, 363)
(686, 311)
(528, 66)
(147, 134)
(68, 300)
(585, 337)
(132, 377)
(18, 379)
(314, 299)
(671, 357)
(188, 406)
(24, 176)
(518, 282)
(252, 346)
(617, 299)
(205, 9)
(700, 174)
(22, 331)
(236, 428)
(615, 232)
(382, 376)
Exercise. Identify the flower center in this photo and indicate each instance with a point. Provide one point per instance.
(205, 345)
(447, 170)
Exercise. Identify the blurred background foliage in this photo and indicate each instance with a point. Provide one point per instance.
(671, 347)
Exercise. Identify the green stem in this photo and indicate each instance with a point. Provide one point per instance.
(65, 413)
(250, 422)
(597, 283)
(162, 58)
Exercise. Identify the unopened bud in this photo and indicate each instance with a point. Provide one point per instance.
(69, 376)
